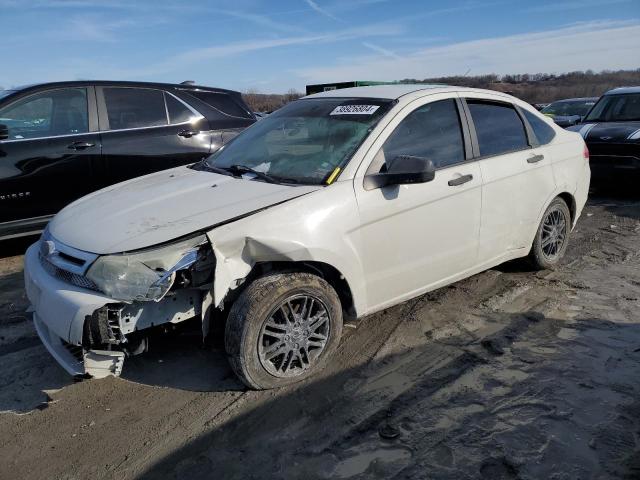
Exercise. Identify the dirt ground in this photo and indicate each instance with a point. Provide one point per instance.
(508, 374)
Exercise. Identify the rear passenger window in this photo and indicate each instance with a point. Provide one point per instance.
(543, 132)
(498, 127)
(432, 131)
(135, 108)
(178, 111)
(222, 102)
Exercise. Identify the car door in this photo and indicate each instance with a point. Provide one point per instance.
(49, 157)
(419, 236)
(517, 175)
(145, 130)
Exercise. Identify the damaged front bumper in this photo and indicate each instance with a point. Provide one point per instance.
(59, 313)
(75, 359)
(87, 331)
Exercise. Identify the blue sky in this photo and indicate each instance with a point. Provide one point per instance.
(272, 46)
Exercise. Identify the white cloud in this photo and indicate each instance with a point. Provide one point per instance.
(382, 51)
(572, 5)
(321, 10)
(195, 56)
(263, 21)
(93, 28)
(263, 44)
(594, 45)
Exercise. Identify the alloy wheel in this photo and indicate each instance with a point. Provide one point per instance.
(294, 336)
(553, 233)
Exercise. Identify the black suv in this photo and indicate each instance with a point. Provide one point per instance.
(60, 141)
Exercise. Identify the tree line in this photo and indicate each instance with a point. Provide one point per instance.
(532, 88)
(545, 87)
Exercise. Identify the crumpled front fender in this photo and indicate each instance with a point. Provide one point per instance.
(297, 231)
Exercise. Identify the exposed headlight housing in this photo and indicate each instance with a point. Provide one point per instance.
(146, 275)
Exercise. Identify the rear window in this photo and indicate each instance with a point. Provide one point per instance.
(178, 111)
(134, 108)
(222, 102)
(543, 132)
(499, 128)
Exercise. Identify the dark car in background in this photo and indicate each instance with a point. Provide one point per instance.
(569, 111)
(61, 141)
(540, 106)
(612, 133)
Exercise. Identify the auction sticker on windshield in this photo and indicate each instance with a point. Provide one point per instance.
(354, 110)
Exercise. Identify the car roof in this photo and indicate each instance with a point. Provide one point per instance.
(119, 83)
(396, 91)
(620, 90)
(391, 92)
(579, 99)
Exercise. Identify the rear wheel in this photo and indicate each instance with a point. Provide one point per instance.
(552, 236)
(282, 329)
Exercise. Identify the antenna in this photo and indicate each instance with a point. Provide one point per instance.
(188, 82)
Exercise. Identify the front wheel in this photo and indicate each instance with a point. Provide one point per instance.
(552, 236)
(282, 329)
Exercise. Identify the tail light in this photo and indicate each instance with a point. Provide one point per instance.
(585, 153)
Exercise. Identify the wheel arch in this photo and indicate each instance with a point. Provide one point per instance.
(323, 270)
(570, 200)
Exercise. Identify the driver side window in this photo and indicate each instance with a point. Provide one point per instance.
(432, 131)
(51, 113)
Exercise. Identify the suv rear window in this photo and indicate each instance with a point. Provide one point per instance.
(134, 107)
(498, 126)
(222, 102)
(178, 112)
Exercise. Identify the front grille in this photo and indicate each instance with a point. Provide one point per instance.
(68, 277)
(76, 350)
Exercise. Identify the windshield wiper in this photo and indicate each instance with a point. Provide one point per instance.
(203, 165)
(238, 170)
(241, 169)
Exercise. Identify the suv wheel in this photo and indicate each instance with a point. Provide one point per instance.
(282, 329)
(552, 236)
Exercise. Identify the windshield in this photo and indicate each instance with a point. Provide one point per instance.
(306, 141)
(578, 107)
(616, 108)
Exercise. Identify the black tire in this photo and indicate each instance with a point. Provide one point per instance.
(255, 310)
(541, 256)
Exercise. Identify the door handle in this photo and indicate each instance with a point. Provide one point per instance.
(80, 145)
(535, 158)
(188, 133)
(460, 180)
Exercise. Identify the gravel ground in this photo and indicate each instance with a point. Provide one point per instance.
(508, 374)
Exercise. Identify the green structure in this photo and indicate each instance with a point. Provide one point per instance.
(324, 87)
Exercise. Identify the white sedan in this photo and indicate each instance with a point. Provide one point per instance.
(339, 204)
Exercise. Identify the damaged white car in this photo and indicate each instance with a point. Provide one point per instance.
(339, 204)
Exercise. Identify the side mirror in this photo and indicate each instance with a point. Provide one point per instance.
(4, 132)
(402, 170)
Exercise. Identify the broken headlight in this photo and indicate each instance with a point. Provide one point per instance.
(145, 275)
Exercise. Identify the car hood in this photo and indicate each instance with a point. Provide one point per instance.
(162, 206)
(608, 132)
